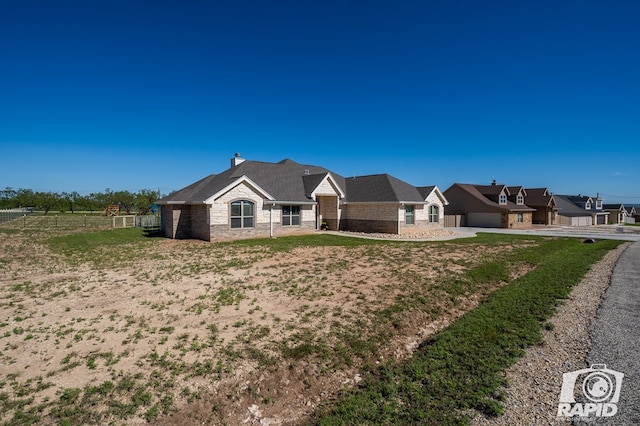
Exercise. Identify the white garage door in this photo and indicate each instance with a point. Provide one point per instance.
(484, 220)
(581, 221)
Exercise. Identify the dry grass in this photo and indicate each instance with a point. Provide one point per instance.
(133, 331)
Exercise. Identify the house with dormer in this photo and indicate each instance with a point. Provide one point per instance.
(617, 213)
(581, 210)
(489, 206)
(261, 199)
(546, 211)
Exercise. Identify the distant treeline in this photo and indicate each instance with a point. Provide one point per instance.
(139, 202)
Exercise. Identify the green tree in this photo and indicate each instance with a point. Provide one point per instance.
(145, 198)
(46, 201)
(70, 198)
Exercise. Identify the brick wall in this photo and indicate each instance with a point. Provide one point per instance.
(371, 218)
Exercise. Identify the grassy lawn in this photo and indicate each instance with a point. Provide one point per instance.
(461, 367)
(115, 326)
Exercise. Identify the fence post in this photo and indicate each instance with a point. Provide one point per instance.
(56, 221)
(24, 220)
(85, 220)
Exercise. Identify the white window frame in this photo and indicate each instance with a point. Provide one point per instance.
(502, 199)
(520, 199)
(598, 204)
(587, 205)
(520, 217)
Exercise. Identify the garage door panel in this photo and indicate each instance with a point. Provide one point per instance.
(484, 220)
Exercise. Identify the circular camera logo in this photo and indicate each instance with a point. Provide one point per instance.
(597, 387)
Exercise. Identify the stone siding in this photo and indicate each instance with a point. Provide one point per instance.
(527, 220)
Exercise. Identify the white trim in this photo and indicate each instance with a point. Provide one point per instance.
(333, 183)
(440, 195)
(241, 180)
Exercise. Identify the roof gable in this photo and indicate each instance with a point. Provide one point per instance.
(315, 183)
(426, 191)
(234, 184)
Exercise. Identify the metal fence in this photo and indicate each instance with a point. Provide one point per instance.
(8, 215)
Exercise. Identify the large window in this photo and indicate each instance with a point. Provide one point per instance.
(242, 214)
(408, 215)
(290, 215)
(434, 214)
(520, 217)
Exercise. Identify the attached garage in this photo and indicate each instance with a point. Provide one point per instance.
(484, 220)
(576, 220)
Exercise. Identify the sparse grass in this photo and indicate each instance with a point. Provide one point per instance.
(461, 367)
(158, 318)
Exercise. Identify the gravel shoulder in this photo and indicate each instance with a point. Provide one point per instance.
(536, 379)
(615, 335)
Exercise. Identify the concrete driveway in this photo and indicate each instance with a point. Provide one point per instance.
(607, 232)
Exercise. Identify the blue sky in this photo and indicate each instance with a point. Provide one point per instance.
(157, 94)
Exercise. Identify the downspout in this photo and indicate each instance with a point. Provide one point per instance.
(271, 221)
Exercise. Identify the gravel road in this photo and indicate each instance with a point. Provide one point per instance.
(535, 381)
(615, 334)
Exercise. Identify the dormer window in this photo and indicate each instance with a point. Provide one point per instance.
(502, 199)
(520, 199)
(598, 204)
(587, 206)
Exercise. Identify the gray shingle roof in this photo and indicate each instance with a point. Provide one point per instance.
(291, 181)
(425, 191)
(380, 188)
(566, 207)
(488, 195)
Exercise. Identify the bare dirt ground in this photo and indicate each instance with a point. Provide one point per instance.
(190, 332)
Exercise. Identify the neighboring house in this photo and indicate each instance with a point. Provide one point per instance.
(580, 210)
(617, 213)
(253, 199)
(540, 199)
(633, 213)
(489, 206)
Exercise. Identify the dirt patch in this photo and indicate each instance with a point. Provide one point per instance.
(185, 331)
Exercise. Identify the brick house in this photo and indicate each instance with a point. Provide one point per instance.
(260, 199)
(489, 206)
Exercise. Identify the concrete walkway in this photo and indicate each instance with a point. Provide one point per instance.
(615, 335)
